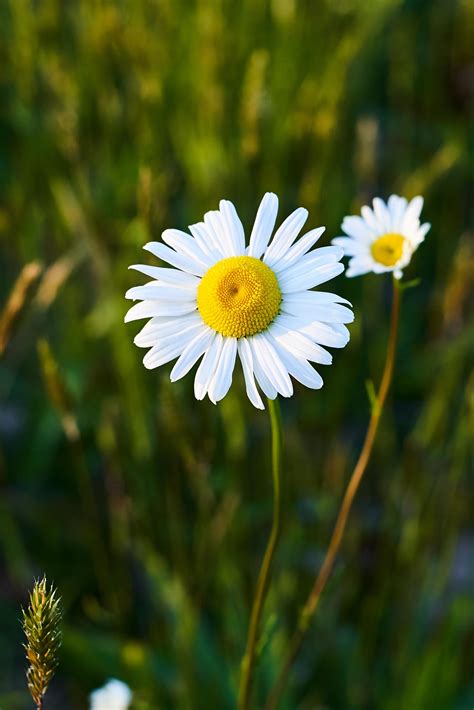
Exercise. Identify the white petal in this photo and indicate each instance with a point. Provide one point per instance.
(149, 309)
(155, 291)
(371, 220)
(206, 369)
(180, 261)
(207, 240)
(158, 328)
(355, 227)
(192, 353)
(222, 378)
(234, 227)
(299, 344)
(412, 214)
(215, 223)
(300, 369)
(185, 244)
(265, 353)
(302, 246)
(260, 373)
(334, 335)
(167, 350)
(382, 214)
(285, 235)
(308, 262)
(397, 206)
(170, 276)
(326, 312)
(310, 278)
(352, 247)
(263, 225)
(245, 354)
(358, 266)
(316, 298)
(187, 332)
(419, 236)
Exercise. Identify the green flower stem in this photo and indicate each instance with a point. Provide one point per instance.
(248, 661)
(312, 601)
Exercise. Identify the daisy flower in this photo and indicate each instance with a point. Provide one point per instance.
(114, 695)
(224, 299)
(383, 239)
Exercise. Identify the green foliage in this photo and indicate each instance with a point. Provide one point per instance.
(118, 119)
(41, 625)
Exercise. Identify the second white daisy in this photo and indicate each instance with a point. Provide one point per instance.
(383, 239)
(224, 299)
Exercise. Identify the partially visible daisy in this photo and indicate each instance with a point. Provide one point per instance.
(114, 695)
(224, 299)
(383, 239)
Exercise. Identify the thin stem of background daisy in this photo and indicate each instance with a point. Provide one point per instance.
(309, 609)
(263, 582)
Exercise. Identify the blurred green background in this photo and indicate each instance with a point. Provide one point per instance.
(149, 510)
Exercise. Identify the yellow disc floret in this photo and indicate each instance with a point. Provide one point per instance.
(239, 296)
(388, 249)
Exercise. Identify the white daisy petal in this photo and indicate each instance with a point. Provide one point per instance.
(397, 206)
(316, 298)
(261, 376)
(352, 247)
(192, 353)
(185, 244)
(206, 240)
(328, 334)
(157, 328)
(149, 309)
(271, 364)
(168, 350)
(245, 354)
(300, 369)
(206, 369)
(357, 267)
(326, 312)
(356, 228)
(216, 224)
(154, 291)
(170, 276)
(310, 279)
(334, 335)
(189, 332)
(285, 235)
(308, 262)
(264, 225)
(420, 234)
(412, 212)
(371, 220)
(222, 378)
(180, 261)
(299, 344)
(234, 226)
(299, 249)
(382, 214)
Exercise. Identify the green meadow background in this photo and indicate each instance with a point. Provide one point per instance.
(150, 510)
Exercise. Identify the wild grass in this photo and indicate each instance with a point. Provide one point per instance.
(150, 510)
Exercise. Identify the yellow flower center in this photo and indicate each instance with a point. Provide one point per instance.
(239, 296)
(388, 249)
